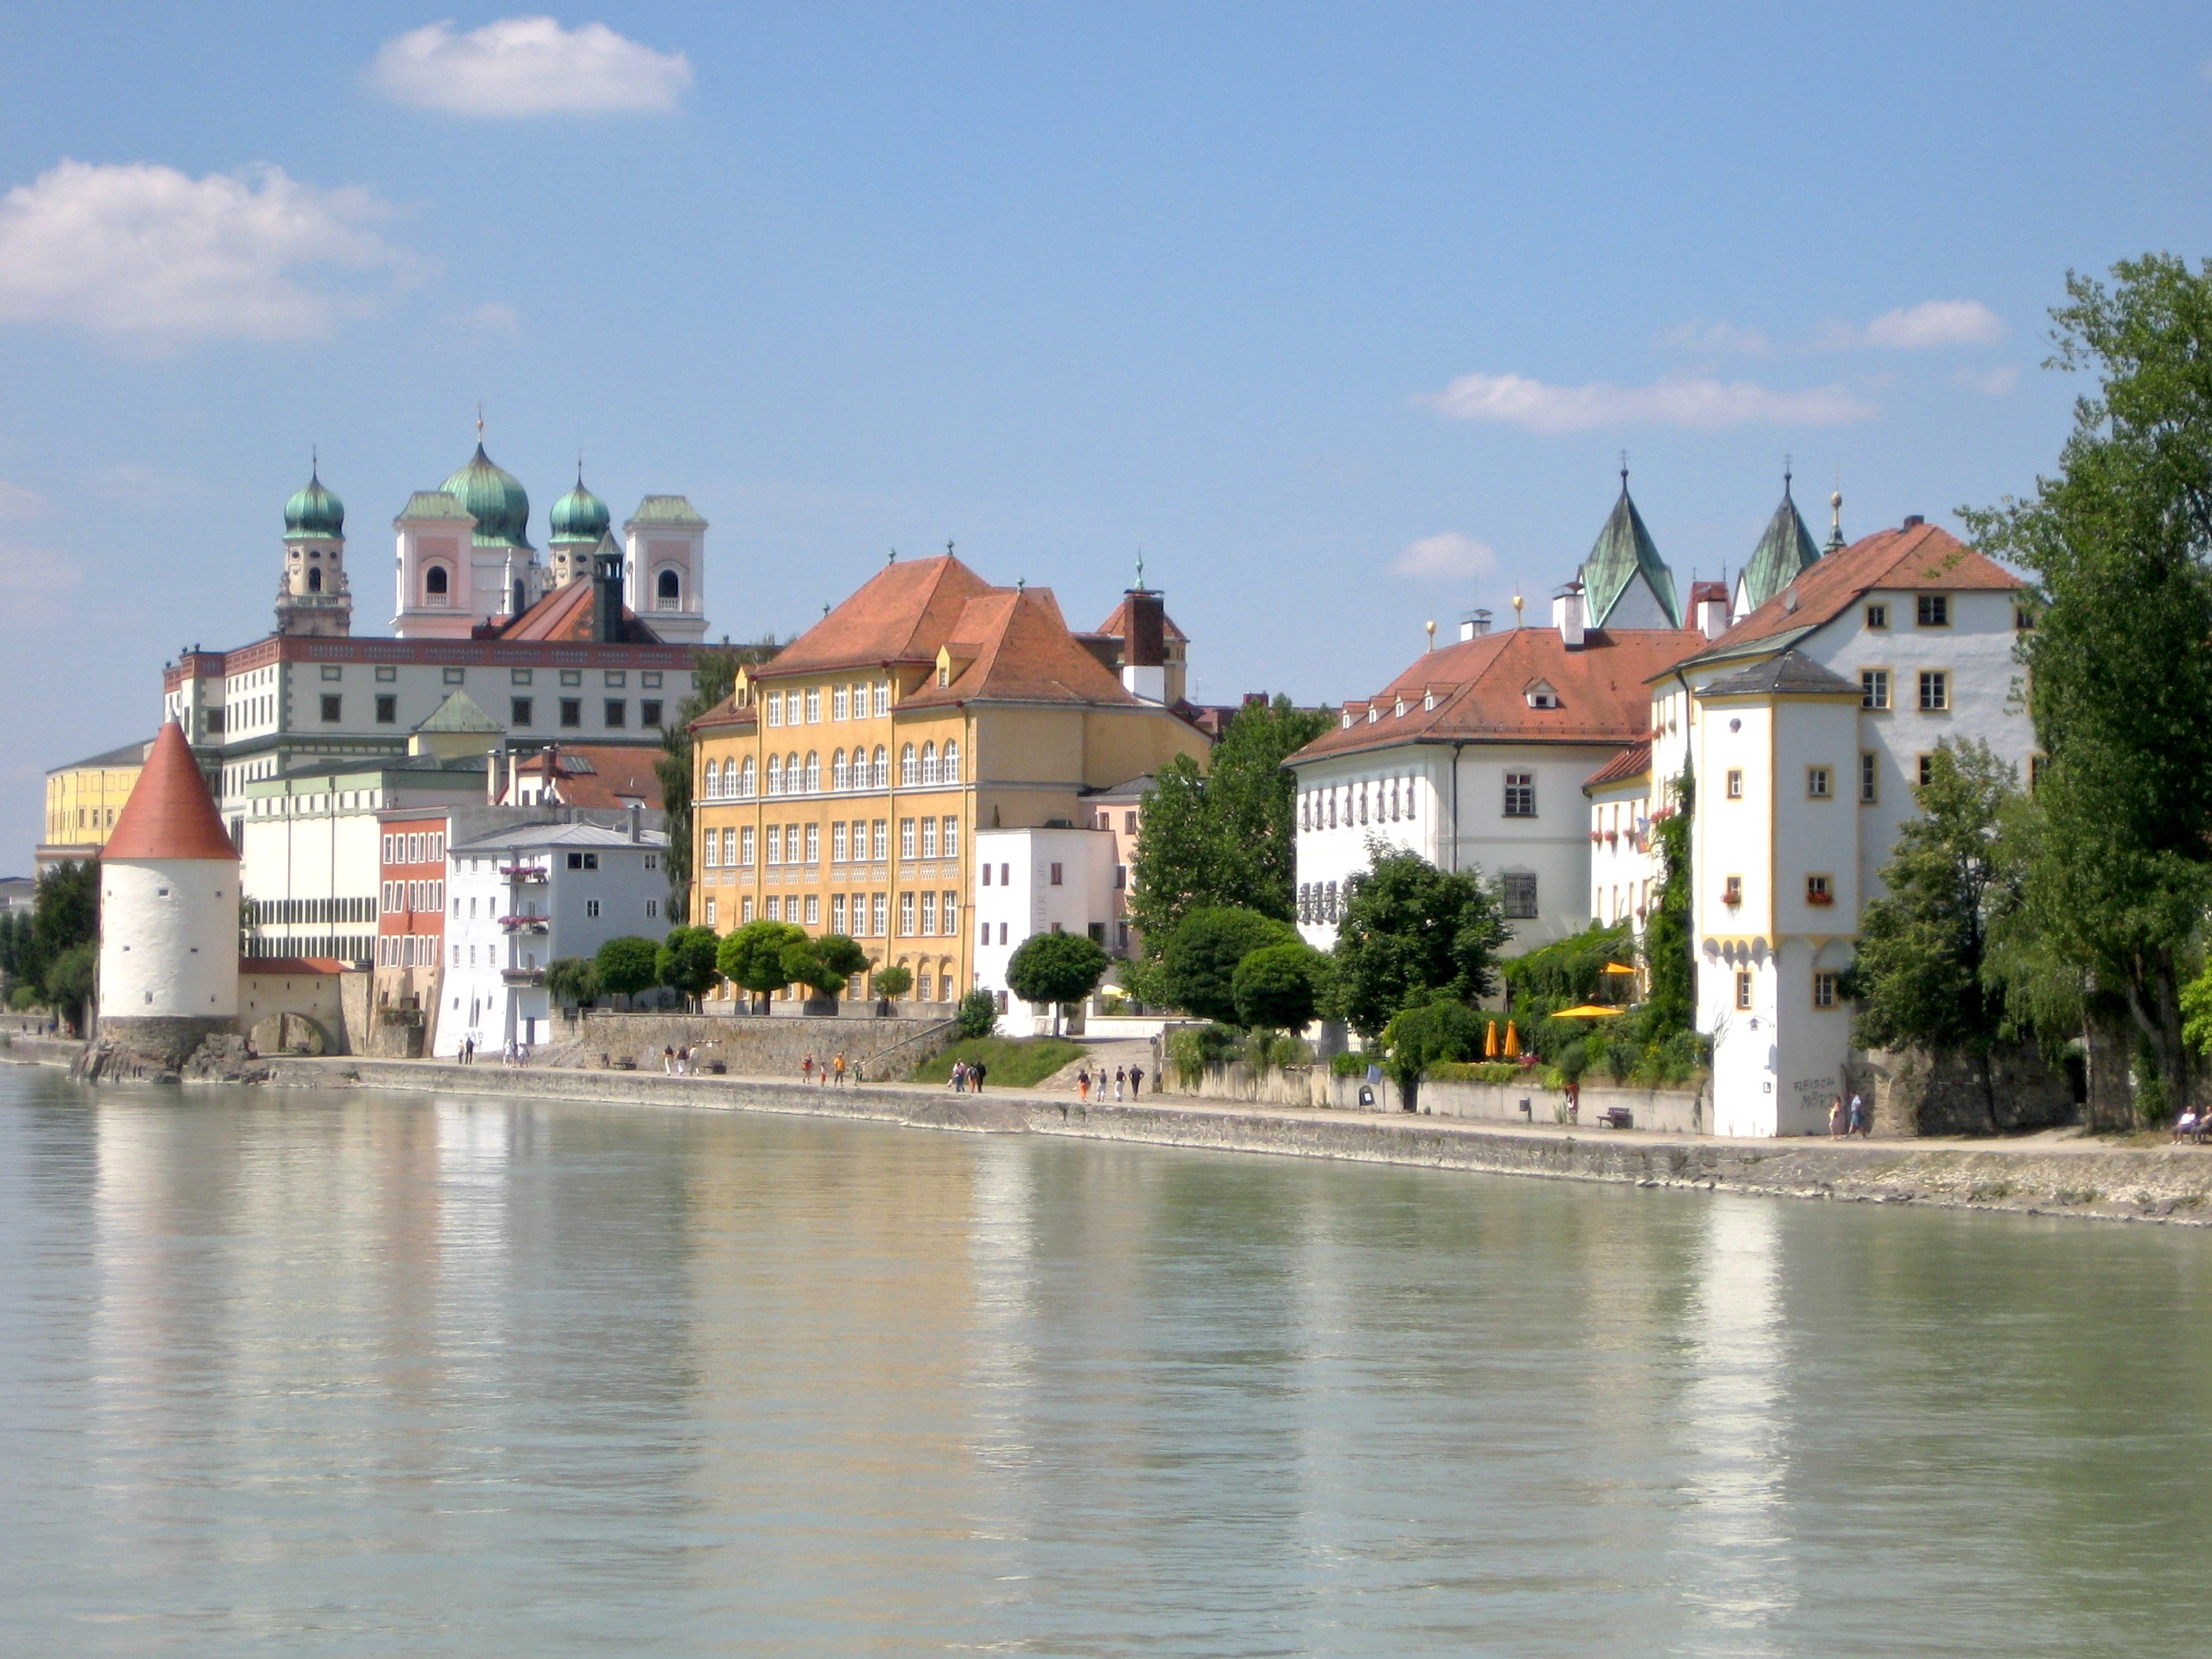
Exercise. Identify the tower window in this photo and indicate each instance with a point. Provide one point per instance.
(668, 591)
(315, 581)
(435, 583)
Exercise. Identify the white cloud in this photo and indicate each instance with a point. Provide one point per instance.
(1699, 403)
(1716, 337)
(144, 251)
(1446, 555)
(1916, 328)
(528, 66)
(1992, 382)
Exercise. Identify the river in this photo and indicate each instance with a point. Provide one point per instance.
(360, 1373)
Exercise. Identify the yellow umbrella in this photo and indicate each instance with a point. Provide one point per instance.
(1513, 1042)
(1615, 968)
(1490, 1042)
(1588, 1011)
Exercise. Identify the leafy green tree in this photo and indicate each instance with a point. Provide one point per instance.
(626, 965)
(1176, 866)
(751, 957)
(64, 914)
(1201, 955)
(978, 1014)
(894, 981)
(1417, 1038)
(714, 669)
(824, 965)
(1920, 977)
(70, 979)
(1251, 806)
(687, 961)
(1670, 1005)
(14, 945)
(1413, 934)
(1056, 969)
(2119, 871)
(573, 980)
(842, 956)
(1280, 987)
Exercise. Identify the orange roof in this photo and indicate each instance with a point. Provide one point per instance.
(1481, 687)
(900, 614)
(600, 774)
(1012, 645)
(565, 614)
(1633, 762)
(1118, 623)
(170, 814)
(1917, 557)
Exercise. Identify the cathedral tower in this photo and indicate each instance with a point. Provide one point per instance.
(665, 573)
(578, 520)
(311, 595)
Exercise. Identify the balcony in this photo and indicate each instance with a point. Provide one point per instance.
(525, 924)
(521, 873)
(519, 977)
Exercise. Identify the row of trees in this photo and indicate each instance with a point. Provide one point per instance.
(50, 957)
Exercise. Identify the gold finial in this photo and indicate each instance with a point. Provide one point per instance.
(1432, 632)
(1516, 610)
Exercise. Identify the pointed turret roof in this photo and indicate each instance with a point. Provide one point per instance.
(1785, 551)
(1624, 551)
(170, 814)
(459, 712)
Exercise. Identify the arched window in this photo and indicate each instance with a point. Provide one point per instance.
(948, 769)
(907, 767)
(929, 763)
(792, 777)
(1409, 800)
(520, 605)
(840, 776)
(1394, 800)
(882, 768)
(433, 584)
(745, 779)
(775, 776)
(714, 781)
(668, 591)
(813, 772)
(315, 580)
(1332, 809)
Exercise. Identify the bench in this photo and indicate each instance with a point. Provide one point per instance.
(1617, 1117)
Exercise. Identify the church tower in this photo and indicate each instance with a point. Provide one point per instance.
(1784, 552)
(312, 596)
(580, 519)
(1625, 583)
(665, 573)
(464, 553)
(168, 936)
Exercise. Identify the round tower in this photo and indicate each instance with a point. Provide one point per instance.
(311, 595)
(579, 519)
(168, 924)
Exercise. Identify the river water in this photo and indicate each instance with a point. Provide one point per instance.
(380, 1373)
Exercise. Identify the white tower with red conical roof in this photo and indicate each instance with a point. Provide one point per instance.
(168, 923)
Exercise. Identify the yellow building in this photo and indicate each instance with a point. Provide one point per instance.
(841, 785)
(83, 799)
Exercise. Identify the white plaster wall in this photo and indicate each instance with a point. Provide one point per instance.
(1746, 1052)
(168, 944)
(1336, 851)
(1022, 901)
(1622, 875)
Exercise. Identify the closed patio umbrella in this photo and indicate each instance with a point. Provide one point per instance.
(1513, 1042)
(1490, 1042)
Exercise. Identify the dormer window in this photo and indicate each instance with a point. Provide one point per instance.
(1373, 713)
(1541, 696)
(1398, 709)
(1429, 701)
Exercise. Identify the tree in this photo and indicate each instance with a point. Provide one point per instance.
(65, 913)
(824, 965)
(978, 1014)
(1670, 1004)
(686, 963)
(1920, 977)
(626, 965)
(2117, 874)
(1056, 969)
(894, 981)
(714, 675)
(1226, 838)
(573, 980)
(1280, 987)
(842, 956)
(1417, 1038)
(69, 980)
(1412, 933)
(1201, 955)
(752, 957)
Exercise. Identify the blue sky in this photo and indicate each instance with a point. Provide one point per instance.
(1343, 316)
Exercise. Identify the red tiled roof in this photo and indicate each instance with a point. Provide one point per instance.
(565, 614)
(900, 614)
(1918, 557)
(600, 774)
(1482, 686)
(170, 814)
(1013, 644)
(1632, 762)
(1117, 625)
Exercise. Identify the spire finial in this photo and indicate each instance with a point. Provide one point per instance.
(1140, 570)
(1786, 472)
(893, 557)
(479, 423)
(314, 461)
(579, 466)
(1624, 472)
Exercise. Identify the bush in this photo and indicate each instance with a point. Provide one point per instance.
(627, 965)
(1195, 1049)
(685, 964)
(1278, 987)
(573, 979)
(751, 959)
(1008, 1062)
(1479, 1070)
(1419, 1037)
(1348, 1063)
(978, 1014)
(23, 999)
(895, 980)
(1201, 956)
(1051, 969)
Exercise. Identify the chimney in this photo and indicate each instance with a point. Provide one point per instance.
(1567, 615)
(607, 593)
(1144, 644)
(1914, 520)
(1713, 615)
(636, 821)
(1474, 625)
(496, 763)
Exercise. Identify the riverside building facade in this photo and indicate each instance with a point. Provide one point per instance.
(844, 785)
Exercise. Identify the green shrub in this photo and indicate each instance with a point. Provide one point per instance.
(978, 1014)
(627, 965)
(1193, 1049)
(1348, 1063)
(1008, 1062)
(895, 980)
(1201, 956)
(1479, 1070)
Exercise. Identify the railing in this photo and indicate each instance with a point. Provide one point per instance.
(525, 924)
(522, 873)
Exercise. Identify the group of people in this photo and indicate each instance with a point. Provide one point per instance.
(968, 1076)
(678, 1062)
(2192, 1126)
(1846, 1119)
(1131, 1078)
(512, 1052)
(830, 1070)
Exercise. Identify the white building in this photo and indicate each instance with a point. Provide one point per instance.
(519, 899)
(168, 936)
(1039, 881)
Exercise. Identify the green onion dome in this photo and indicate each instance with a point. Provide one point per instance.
(495, 498)
(314, 512)
(580, 516)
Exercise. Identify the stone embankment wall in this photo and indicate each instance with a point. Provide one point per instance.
(750, 1046)
(2171, 1184)
(1675, 1111)
(1914, 1092)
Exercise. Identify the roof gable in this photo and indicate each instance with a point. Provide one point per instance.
(1624, 551)
(901, 614)
(565, 614)
(1785, 551)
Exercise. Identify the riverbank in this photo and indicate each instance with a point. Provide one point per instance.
(2041, 1174)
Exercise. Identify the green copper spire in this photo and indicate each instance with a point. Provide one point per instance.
(1624, 551)
(315, 511)
(1785, 551)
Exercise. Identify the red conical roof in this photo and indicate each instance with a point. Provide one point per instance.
(170, 814)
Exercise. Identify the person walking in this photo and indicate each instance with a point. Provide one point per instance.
(806, 1068)
(1121, 1078)
(1855, 1117)
(839, 1062)
(1136, 1083)
(1083, 1086)
(1835, 1117)
(975, 1076)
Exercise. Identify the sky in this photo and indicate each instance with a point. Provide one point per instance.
(1342, 318)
